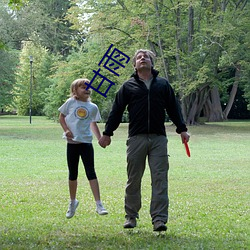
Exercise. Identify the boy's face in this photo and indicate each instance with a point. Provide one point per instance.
(82, 93)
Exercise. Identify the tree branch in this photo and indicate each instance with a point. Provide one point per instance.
(122, 31)
(123, 5)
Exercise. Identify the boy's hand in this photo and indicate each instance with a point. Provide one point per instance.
(69, 134)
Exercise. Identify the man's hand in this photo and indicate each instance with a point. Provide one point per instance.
(104, 141)
(185, 137)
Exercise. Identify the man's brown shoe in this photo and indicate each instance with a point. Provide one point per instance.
(130, 223)
(159, 226)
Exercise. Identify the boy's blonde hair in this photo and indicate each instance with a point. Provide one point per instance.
(76, 84)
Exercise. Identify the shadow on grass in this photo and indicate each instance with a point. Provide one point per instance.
(131, 239)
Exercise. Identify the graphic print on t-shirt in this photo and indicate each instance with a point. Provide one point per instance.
(81, 112)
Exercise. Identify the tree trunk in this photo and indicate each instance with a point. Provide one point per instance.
(193, 100)
(232, 93)
(190, 28)
(213, 106)
(196, 102)
(178, 42)
(159, 39)
(213, 109)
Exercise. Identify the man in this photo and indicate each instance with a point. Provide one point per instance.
(147, 98)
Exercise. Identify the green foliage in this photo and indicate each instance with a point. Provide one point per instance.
(7, 78)
(197, 43)
(64, 74)
(44, 18)
(17, 4)
(80, 64)
(163, 26)
(32, 79)
(6, 26)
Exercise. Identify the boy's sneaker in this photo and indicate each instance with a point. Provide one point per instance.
(72, 208)
(101, 210)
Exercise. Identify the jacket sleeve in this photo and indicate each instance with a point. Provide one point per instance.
(173, 109)
(115, 115)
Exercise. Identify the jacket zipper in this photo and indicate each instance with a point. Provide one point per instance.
(149, 109)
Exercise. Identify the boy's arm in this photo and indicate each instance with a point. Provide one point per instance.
(62, 121)
(95, 129)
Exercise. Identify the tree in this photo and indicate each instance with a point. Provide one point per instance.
(7, 78)
(45, 19)
(58, 91)
(33, 22)
(80, 64)
(199, 52)
(42, 62)
(193, 41)
(9, 60)
(201, 46)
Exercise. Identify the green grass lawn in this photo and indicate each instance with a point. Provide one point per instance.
(209, 192)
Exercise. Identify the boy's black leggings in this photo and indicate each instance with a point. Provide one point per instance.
(86, 151)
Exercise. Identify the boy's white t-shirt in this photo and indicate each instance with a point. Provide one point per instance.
(78, 116)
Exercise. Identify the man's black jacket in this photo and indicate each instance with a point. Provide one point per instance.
(146, 108)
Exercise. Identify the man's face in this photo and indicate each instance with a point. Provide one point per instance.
(143, 61)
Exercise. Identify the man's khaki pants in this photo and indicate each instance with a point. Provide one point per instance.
(154, 147)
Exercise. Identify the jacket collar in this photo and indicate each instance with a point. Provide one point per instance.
(154, 73)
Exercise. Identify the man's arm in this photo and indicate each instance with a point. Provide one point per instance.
(115, 117)
(173, 109)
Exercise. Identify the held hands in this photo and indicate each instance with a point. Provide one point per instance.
(104, 141)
